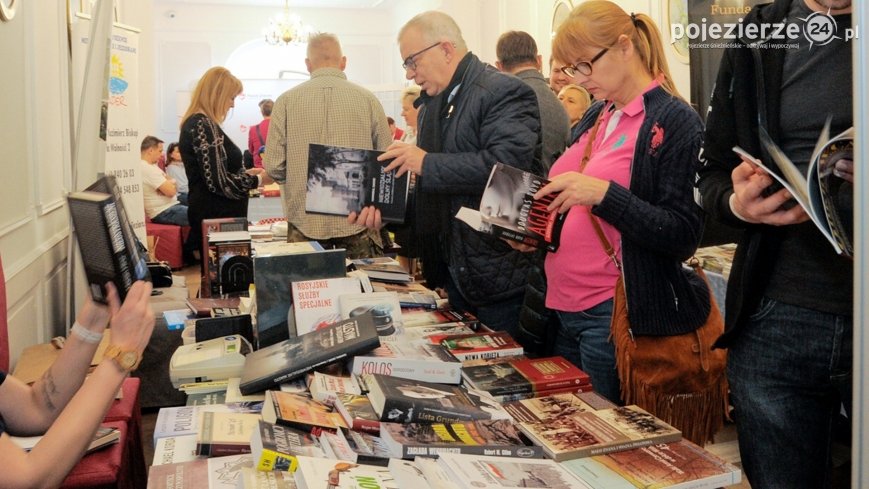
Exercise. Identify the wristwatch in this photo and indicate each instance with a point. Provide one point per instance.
(128, 360)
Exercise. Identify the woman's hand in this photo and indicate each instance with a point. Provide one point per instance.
(132, 322)
(524, 248)
(573, 188)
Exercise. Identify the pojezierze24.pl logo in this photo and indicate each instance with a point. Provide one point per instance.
(819, 29)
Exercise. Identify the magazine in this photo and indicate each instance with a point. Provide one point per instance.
(509, 210)
(827, 198)
(344, 180)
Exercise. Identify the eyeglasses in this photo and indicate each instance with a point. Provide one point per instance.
(583, 67)
(410, 61)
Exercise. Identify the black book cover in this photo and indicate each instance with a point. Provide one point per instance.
(400, 400)
(293, 358)
(344, 180)
(106, 239)
(509, 210)
(273, 278)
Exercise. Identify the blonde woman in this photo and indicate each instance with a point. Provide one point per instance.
(639, 145)
(410, 113)
(217, 179)
(575, 101)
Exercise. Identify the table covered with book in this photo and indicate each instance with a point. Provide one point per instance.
(371, 390)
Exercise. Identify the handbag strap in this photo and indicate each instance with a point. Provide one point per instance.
(607, 246)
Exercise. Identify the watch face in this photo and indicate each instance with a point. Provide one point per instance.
(128, 359)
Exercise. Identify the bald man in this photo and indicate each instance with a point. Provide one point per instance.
(330, 110)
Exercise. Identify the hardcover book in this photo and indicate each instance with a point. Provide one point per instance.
(316, 302)
(486, 437)
(568, 428)
(382, 268)
(293, 358)
(275, 447)
(677, 465)
(399, 400)
(230, 268)
(383, 307)
(211, 473)
(483, 472)
(527, 375)
(344, 180)
(106, 239)
(210, 226)
(509, 210)
(413, 360)
(518, 396)
(225, 433)
(827, 198)
(299, 411)
(479, 345)
(273, 276)
(184, 420)
(358, 413)
(320, 473)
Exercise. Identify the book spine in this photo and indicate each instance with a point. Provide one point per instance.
(432, 450)
(409, 368)
(478, 355)
(224, 449)
(518, 396)
(264, 383)
(123, 266)
(365, 425)
(711, 482)
(629, 445)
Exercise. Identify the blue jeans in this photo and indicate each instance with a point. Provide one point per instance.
(177, 214)
(789, 372)
(500, 316)
(583, 338)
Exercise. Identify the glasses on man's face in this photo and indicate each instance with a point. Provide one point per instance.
(410, 61)
(583, 67)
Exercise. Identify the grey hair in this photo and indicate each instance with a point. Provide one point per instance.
(324, 46)
(436, 26)
(412, 93)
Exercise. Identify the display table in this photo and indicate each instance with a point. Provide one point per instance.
(264, 207)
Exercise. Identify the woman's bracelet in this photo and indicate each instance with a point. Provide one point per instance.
(86, 335)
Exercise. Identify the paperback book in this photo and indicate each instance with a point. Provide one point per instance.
(677, 465)
(568, 428)
(485, 437)
(355, 446)
(106, 240)
(358, 413)
(225, 433)
(383, 307)
(321, 473)
(344, 180)
(316, 302)
(174, 449)
(325, 388)
(275, 447)
(299, 411)
(399, 400)
(827, 198)
(382, 269)
(526, 375)
(509, 210)
(479, 345)
(415, 360)
(250, 478)
(184, 420)
(293, 358)
(211, 473)
(484, 472)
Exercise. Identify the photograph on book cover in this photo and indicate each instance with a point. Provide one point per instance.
(336, 178)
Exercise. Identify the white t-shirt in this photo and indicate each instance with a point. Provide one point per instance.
(155, 202)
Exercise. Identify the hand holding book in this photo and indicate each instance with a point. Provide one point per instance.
(759, 198)
(573, 188)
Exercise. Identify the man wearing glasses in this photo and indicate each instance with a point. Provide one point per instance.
(471, 117)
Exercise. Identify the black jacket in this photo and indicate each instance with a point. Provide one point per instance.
(493, 118)
(746, 95)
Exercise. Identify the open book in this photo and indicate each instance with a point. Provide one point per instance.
(509, 210)
(826, 197)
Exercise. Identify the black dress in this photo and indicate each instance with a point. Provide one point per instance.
(218, 184)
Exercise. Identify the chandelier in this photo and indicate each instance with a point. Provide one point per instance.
(286, 28)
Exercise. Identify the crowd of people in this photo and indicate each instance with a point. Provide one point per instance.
(623, 152)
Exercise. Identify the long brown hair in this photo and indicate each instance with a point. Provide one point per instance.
(211, 94)
(600, 23)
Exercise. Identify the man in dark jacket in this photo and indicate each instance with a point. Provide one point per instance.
(789, 299)
(472, 116)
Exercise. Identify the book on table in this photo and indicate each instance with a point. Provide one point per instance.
(344, 180)
(382, 268)
(320, 473)
(568, 427)
(827, 198)
(222, 433)
(509, 210)
(676, 465)
(316, 303)
(107, 242)
(229, 266)
(174, 449)
(325, 388)
(276, 267)
(358, 413)
(400, 400)
(525, 375)
(275, 447)
(250, 478)
(483, 472)
(293, 358)
(299, 411)
(483, 437)
(479, 345)
(355, 446)
(383, 307)
(184, 420)
(201, 473)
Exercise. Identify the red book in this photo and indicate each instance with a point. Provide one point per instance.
(479, 345)
(525, 375)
